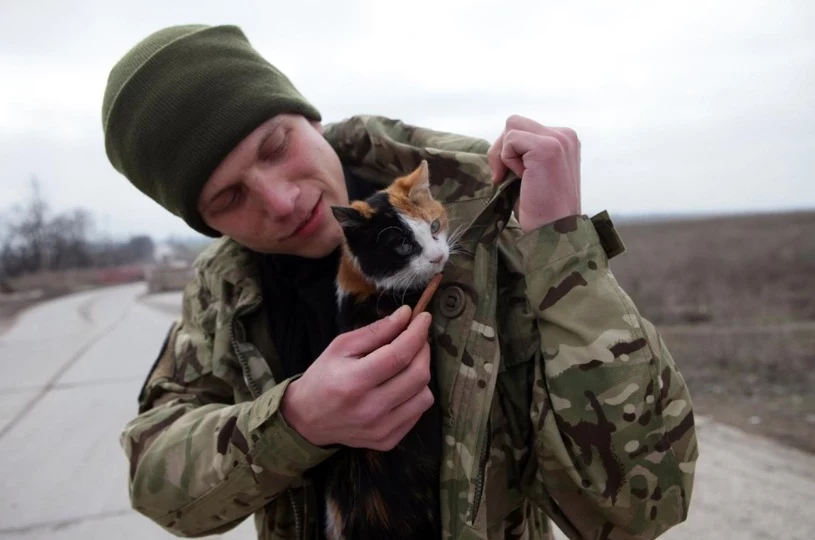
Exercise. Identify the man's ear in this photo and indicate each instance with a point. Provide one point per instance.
(347, 217)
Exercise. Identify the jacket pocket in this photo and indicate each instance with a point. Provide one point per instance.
(453, 309)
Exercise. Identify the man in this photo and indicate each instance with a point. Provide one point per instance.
(559, 400)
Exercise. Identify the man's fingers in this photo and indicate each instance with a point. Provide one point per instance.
(507, 152)
(369, 338)
(521, 145)
(402, 419)
(390, 359)
(565, 135)
(406, 384)
(516, 146)
(413, 408)
(521, 123)
(511, 154)
(494, 159)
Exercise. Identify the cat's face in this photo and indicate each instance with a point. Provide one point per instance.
(398, 237)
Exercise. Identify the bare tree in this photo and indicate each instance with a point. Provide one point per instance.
(32, 240)
(67, 240)
(24, 243)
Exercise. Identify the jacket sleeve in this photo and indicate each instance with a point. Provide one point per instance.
(611, 416)
(199, 463)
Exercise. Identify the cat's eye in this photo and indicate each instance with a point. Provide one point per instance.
(403, 248)
(434, 227)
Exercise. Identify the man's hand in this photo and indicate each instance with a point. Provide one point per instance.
(368, 388)
(547, 160)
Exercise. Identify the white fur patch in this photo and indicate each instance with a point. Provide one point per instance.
(341, 294)
(333, 529)
(420, 269)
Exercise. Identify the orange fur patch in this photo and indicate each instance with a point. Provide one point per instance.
(363, 208)
(374, 460)
(351, 281)
(410, 200)
(375, 508)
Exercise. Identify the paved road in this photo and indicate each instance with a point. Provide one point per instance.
(69, 373)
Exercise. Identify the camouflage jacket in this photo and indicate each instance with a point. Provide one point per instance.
(560, 401)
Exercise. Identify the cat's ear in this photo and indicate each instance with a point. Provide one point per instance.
(420, 183)
(347, 217)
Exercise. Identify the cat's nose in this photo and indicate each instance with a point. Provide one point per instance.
(438, 259)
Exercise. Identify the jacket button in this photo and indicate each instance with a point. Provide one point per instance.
(452, 302)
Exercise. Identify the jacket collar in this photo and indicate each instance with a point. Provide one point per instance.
(379, 149)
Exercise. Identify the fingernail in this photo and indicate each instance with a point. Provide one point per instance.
(399, 312)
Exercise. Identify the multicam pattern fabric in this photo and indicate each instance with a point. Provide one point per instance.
(560, 401)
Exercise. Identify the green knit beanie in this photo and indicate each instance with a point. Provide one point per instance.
(180, 101)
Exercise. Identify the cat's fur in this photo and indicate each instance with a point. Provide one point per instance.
(395, 241)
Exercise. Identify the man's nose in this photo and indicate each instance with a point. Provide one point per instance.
(278, 197)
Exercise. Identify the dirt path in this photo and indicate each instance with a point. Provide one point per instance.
(749, 488)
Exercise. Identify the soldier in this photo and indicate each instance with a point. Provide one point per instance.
(560, 401)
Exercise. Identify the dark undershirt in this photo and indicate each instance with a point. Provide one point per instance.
(299, 295)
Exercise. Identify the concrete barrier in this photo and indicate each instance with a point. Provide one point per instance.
(167, 278)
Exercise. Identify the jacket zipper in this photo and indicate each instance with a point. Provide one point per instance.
(479, 480)
(297, 521)
(254, 389)
(250, 382)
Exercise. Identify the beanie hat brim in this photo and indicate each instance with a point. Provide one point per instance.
(185, 107)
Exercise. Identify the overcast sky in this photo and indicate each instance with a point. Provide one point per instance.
(682, 107)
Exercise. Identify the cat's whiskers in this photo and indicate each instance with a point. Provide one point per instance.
(456, 234)
(410, 281)
(400, 283)
(454, 237)
(460, 251)
(379, 297)
(403, 283)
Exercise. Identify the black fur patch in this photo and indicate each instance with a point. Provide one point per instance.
(383, 244)
(392, 495)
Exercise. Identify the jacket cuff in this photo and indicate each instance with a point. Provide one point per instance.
(569, 237)
(280, 447)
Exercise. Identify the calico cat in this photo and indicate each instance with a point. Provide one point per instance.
(394, 242)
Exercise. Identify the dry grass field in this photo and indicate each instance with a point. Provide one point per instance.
(735, 300)
(733, 296)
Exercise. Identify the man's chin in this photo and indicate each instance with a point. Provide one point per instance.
(315, 252)
(319, 246)
(324, 245)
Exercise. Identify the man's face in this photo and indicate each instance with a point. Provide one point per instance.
(273, 193)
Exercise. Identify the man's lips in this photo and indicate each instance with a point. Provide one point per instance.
(305, 221)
